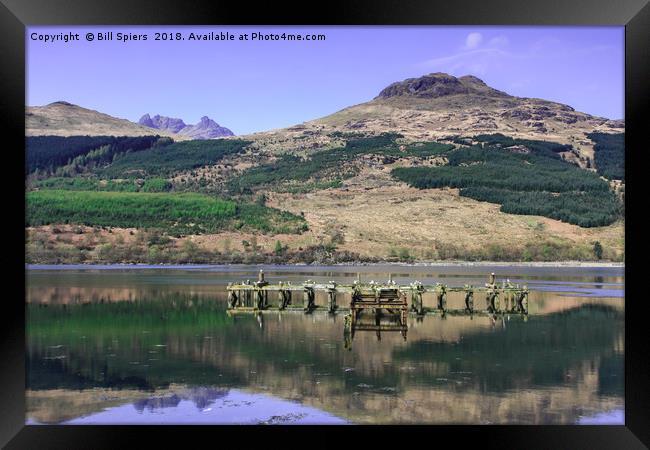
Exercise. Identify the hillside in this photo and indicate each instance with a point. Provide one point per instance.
(65, 119)
(438, 106)
(433, 168)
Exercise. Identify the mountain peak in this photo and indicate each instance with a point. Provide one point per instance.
(205, 129)
(206, 122)
(61, 103)
(471, 79)
(158, 122)
(438, 84)
(146, 121)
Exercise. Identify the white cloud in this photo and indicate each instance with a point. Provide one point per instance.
(472, 62)
(495, 55)
(473, 40)
(499, 41)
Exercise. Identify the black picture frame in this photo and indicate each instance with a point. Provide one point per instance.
(633, 14)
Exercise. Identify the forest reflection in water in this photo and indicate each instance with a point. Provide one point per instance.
(155, 343)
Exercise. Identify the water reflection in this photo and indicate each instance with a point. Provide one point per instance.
(376, 323)
(221, 407)
(169, 344)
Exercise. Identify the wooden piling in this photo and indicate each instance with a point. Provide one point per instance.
(331, 299)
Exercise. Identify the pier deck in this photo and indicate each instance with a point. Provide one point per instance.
(389, 297)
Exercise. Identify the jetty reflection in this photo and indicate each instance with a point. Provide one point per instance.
(151, 345)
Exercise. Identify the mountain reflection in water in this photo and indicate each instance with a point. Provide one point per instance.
(225, 407)
(160, 346)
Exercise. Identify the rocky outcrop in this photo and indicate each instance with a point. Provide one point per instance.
(439, 84)
(162, 123)
(205, 129)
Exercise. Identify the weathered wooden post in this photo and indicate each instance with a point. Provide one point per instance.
(375, 291)
(261, 295)
(441, 295)
(232, 297)
(259, 304)
(488, 301)
(416, 302)
(356, 296)
(280, 296)
(308, 298)
(523, 301)
(491, 297)
(249, 295)
(404, 309)
(284, 297)
(469, 298)
(416, 297)
(508, 296)
(331, 298)
(513, 296)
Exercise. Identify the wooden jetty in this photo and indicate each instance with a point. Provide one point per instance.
(388, 297)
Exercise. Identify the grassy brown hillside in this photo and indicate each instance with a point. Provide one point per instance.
(438, 106)
(65, 119)
(428, 170)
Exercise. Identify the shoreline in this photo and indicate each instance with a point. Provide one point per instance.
(551, 264)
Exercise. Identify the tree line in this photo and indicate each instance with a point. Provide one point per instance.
(186, 213)
(531, 183)
(331, 165)
(47, 153)
(174, 158)
(609, 154)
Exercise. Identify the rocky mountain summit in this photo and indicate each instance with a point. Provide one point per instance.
(205, 129)
(162, 123)
(439, 85)
(439, 106)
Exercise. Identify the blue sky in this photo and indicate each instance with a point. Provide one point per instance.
(251, 86)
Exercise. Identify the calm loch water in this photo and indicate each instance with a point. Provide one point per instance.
(117, 345)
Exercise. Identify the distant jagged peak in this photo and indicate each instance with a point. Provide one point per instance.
(171, 124)
(438, 84)
(146, 121)
(206, 122)
(205, 129)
